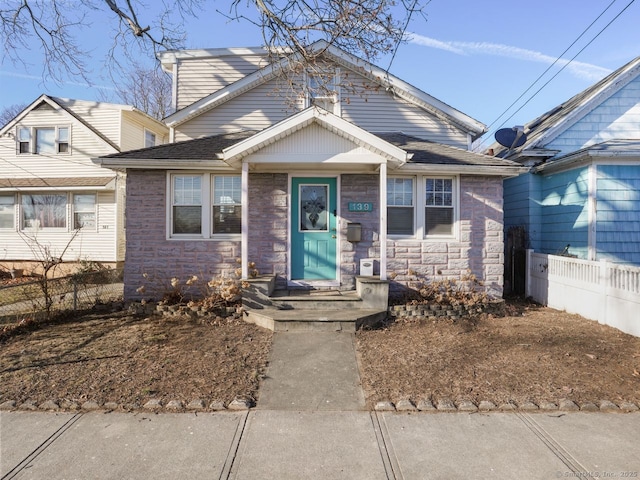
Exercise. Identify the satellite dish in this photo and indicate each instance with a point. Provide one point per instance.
(511, 137)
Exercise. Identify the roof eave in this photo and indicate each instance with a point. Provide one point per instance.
(161, 164)
(483, 170)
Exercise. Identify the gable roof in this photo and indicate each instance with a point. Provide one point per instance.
(66, 106)
(222, 152)
(373, 73)
(549, 125)
(234, 153)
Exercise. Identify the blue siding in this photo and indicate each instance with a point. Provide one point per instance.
(522, 206)
(616, 117)
(564, 213)
(516, 201)
(618, 213)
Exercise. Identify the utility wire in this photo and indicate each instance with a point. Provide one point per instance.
(561, 69)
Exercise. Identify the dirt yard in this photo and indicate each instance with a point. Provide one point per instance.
(535, 354)
(130, 359)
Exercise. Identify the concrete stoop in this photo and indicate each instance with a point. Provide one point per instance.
(312, 309)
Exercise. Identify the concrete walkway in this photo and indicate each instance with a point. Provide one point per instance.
(311, 372)
(262, 444)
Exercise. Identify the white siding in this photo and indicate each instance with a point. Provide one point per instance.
(99, 244)
(200, 77)
(106, 242)
(121, 192)
(103, 117)
(254, 110)
(84, 144)
(373, 109)
(133, 127)
(379, 111)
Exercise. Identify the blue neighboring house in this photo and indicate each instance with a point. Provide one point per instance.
(582, 194)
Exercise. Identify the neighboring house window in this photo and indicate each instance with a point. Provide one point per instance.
(191, 216)
(438, 212)
(437, 219)
(44, 211)
(227, 194)
(63, 140)
(149, 139)
(323, 90)
(400, 206)
(24, 140)
(84, 211)
(7, 211)
(46, 140)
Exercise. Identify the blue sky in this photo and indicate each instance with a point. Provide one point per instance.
(477, 56)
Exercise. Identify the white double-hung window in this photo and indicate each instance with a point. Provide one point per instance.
(437, 212)
(204, 206)
(84, 211)
(44, 140)
(7, 211)
(439, 218)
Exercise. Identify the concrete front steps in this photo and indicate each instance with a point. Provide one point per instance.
(315, 310)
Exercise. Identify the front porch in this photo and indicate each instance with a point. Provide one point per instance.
(313, 309)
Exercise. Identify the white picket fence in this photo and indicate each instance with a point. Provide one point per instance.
(602, 291)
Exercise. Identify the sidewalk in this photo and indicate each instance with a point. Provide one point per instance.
(261, 444)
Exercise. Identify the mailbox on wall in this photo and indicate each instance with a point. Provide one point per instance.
(354, 232)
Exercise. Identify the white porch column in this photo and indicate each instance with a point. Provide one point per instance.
(244, 229)
(383, 221)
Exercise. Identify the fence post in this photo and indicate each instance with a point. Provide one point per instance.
(527, 277)
(604, 280)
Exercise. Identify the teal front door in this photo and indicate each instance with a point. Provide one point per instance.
(313, 228)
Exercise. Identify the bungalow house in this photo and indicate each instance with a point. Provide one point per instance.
(368, 175)
(581, 196)
(52, 196)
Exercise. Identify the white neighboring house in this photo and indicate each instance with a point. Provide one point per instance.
(50, 190)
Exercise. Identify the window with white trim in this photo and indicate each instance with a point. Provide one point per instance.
(149, 138)
(323, 90)
(186, 205)
(438, 212)
(44, 210)
(204, 205)
(7, 211)
(44, 140)
(400, 211)
(227, 195)
(84, 211)
(24, 140)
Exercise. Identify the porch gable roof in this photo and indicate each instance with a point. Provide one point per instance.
(394, 155)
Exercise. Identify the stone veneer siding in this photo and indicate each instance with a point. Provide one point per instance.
(478, 249)
(149, 251)
(268, 224)
(359, 188)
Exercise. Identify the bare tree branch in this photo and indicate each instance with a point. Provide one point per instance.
(366, 28)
